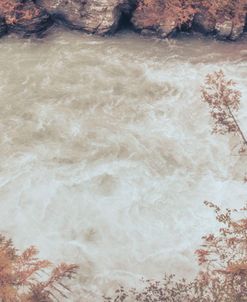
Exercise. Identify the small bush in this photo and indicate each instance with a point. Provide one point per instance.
(25, 278)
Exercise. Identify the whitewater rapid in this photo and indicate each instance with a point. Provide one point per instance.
(106, 152)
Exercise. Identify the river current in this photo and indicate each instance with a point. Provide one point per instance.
(106, 152)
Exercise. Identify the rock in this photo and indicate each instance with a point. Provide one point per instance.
(167, 27)
(69, 11)
(102, 16)
(3, 27)
(230, 29)
(25, 18)
(150, 17)
(237, 31)
(204, 22)
(93, 16)
(238, 28)
(223, 28)
(153, 18)
(165, 17)
(148, 33)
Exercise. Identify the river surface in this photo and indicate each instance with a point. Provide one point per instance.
(106, 152)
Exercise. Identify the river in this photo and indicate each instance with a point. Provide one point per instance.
(107, 154)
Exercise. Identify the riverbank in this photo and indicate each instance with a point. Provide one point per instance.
(223, 20)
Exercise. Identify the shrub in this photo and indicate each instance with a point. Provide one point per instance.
(14, 11)
(25, 278)
(223, 100)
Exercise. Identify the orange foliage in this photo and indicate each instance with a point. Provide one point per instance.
(14, 10)
(183, 11)
(25, 278)
(158, 11)
(223, 100)
(223, 256)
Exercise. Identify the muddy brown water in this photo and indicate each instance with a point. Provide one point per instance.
(107, 155)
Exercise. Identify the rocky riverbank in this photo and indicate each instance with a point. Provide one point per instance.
(225, 19)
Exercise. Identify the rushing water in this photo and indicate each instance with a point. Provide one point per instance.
(107, 155)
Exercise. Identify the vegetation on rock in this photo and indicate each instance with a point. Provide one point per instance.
(14, 11)
(227, 16)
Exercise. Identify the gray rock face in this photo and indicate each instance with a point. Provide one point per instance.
(237, 31)
(93, 16)
(230, 29)
(224, 29)
(71, 11)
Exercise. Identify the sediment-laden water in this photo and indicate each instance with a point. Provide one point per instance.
(106, 152)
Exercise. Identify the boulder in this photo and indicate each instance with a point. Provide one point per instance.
(204, 22)
(230, 29)
(93, 16)
(167, 27)
(154, 18)
(223, 28)
(25, 18)
(237, 31)
(69, 11)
